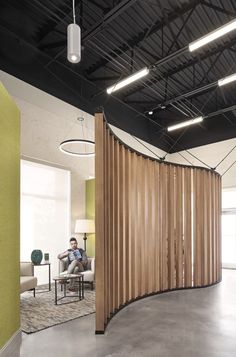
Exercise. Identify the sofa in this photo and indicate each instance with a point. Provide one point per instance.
(27, 279)
(89, 273)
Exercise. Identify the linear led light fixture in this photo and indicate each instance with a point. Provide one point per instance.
(221, 31)
(134, 77)
(223, 81)
(185, 123)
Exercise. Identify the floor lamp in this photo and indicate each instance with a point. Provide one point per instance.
(84, 226)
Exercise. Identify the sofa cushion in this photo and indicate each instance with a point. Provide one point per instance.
(27, 283)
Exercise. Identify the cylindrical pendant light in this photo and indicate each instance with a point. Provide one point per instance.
(73, 40)
(73, 43)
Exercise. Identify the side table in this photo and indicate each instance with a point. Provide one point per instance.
(79, 280)
(49, 275)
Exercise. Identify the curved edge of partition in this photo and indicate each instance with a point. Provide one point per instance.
(149, 295)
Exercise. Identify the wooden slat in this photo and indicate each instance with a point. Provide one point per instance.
(171, 227)
(110, 221)
(140, 224)
(160, 228)
(99, 223)
(128, 246)
(151, 232)
(157, 228)
(187, 222)
(116, 225)
(164, 223)
(219, 230)
(134, 231)
(121, 225)
(213, 228)
(205, 229)
(106, 212)
(218, 225)
(179, 227)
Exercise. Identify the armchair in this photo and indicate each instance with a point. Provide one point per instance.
(89, 273)
(27, 279)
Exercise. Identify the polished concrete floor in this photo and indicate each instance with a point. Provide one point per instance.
(199, 322)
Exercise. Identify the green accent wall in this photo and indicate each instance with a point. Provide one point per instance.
(90, 214)
(9, 216)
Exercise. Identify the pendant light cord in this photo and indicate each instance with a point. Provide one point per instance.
(73, 5)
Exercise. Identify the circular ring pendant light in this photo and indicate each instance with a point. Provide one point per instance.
(68, 143)
(78, 147)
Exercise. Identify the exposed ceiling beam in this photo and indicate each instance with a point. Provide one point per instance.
(219, 9)
(110, 16)
(183, 66)
(99, 6)
(180, 30)
(186, 95)
(107, 78)
(143, 35)
(221, 111)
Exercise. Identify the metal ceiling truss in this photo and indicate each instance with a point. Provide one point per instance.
(191, 63)
(114, 57)
(147, 32)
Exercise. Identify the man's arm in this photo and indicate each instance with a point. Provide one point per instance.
(63, 255)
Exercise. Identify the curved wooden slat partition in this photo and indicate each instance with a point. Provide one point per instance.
(157, 225)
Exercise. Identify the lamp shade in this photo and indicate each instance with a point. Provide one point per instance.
(84, 226)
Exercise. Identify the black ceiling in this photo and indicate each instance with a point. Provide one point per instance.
(119, 38)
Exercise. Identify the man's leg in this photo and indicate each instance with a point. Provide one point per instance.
(73, 268)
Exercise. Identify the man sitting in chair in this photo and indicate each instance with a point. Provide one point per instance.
(77, 259)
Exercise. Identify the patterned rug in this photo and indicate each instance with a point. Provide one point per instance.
(40, 312)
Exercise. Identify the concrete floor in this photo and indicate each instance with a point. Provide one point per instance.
(199, 322)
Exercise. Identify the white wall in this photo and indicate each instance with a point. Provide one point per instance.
(45, 122)
(212, 154)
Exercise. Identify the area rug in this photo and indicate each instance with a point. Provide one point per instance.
(40, 312)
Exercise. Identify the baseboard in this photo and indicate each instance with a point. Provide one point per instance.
(12, 347)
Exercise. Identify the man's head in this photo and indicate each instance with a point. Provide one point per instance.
(73, 243)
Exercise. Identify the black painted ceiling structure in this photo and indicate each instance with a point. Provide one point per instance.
(120, 37)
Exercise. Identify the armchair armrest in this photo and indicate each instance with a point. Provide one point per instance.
(26, 269)
(93, 265)
(63, 264)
